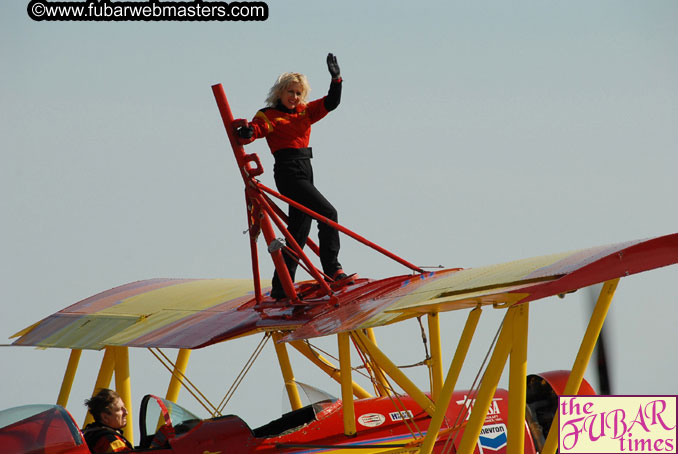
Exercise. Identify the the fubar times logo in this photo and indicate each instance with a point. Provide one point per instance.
(617, 424)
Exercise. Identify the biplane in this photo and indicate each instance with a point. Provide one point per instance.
(392, 416)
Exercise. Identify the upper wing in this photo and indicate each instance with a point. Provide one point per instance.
(180, 313)
(183, 313)
(519, 281)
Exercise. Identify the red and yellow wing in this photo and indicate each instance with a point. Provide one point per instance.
(193, 313)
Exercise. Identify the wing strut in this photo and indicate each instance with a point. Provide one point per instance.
(443, 401)
(436, 362)
(394, 372)
(103, 377)
(348, 408)
(588, 343)
(511, 329)
(123, 387)
(179, 370)
(69, 377)
(288, 374)
(327, 367)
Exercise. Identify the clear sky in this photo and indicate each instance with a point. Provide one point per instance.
(469, 133)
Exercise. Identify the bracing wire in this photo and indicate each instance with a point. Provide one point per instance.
(424, 338)
(315, 349)
(194, 391)
(370, 369)
(394, 397)
(466, 405)
(427, 360)
(243, 372)
(185, 382)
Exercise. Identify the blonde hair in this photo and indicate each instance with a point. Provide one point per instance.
(284, 81)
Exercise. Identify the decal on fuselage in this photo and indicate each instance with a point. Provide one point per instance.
(492, 437)
(493, 412)
(371, 419)
(400, 415)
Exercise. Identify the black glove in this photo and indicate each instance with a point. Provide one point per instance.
(245, 132)
(333, 66)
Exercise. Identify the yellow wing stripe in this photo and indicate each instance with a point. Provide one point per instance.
(191, 296)
(467, 282)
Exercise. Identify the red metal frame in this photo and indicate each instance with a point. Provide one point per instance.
(262, 213)
(341, 228)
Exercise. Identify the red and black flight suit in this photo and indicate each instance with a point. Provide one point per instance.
(103, 439)
(287, 133)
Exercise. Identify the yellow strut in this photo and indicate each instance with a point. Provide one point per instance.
(588, 343)
(124, 389)
(286, 369)
(69, 376)
(104, 377)
(346, 384)
(436, 365)
(518, 381)
(381, 386)
(396, 374)
(488, 387)
(327, 367)
(178, 374)
(451, 381)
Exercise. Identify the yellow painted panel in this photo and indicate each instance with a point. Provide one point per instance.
(191, 296)
(89, 331)
(146, 325)
(478, 281)
(463, 301)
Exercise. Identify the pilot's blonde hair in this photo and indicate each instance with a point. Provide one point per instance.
(284, 81)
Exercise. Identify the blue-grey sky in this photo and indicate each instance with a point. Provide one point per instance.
(469, 133)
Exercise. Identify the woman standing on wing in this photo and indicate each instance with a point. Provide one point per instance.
(286, 125)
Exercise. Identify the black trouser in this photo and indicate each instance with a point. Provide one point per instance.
(294, 179)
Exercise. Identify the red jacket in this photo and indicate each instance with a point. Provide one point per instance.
(103, 439)
(292, 129)
(284, 129)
